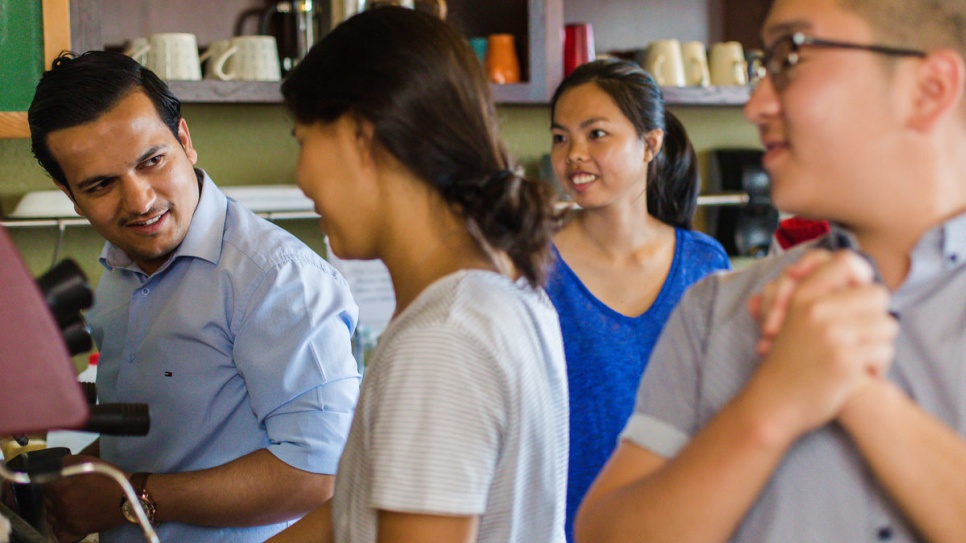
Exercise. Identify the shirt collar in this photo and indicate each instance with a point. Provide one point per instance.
(939, 250)
(954, 240)
(204, 236)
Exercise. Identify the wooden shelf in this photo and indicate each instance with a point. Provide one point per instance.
(267, 92)
(537, 25)
(217, 92)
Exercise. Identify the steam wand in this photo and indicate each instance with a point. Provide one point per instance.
(87, 468)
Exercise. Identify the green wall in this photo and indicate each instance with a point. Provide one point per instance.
(252, 144)
(21, 51)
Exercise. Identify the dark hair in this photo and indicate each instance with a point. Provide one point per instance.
(80, 88)
(423, 89)
(672, 177)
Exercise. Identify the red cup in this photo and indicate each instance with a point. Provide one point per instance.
(578, 46)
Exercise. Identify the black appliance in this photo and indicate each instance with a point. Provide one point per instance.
(744, 229)
(42, 327)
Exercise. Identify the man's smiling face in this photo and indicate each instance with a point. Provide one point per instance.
(132, 178)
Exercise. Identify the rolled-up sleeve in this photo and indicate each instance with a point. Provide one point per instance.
(667, 411)
(293, 350)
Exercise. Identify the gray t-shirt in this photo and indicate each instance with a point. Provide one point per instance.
(822, 491)
(463, 411)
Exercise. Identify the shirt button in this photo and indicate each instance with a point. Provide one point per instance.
(145, 291)
(954, 257)
(885, 533)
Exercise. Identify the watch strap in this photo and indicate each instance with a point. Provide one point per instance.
(139, 481)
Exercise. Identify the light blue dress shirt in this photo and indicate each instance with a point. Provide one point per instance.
(239, 342)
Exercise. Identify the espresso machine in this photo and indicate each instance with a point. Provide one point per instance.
(746, 229)
(42, 327)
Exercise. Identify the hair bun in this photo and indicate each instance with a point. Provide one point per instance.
(500, 176)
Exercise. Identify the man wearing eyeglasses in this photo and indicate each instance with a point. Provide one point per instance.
(820, 396)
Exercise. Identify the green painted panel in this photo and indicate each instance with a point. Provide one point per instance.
(21, 52)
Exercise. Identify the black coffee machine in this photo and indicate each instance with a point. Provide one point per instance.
(745, 229)
(42, 329)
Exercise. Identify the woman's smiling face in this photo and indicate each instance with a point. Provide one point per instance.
(597, 153)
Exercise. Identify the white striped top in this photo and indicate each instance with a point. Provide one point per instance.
(463, 411)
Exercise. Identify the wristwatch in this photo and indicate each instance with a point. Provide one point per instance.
(140, 483)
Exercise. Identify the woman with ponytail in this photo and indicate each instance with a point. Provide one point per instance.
(627, 253)
(460, 433)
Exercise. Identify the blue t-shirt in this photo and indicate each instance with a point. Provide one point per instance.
(607, 353)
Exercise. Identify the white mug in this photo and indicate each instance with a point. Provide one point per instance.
(250, 58)
(695, 58)
(665, 64)
(171, 56)
(728, 65)
(214, 51)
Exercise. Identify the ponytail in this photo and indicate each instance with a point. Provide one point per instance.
(672, 177)
(507, 212)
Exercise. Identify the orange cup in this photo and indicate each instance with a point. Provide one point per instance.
(502, 65)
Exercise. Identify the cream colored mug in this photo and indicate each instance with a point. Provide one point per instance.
(728, 65)
(695, 58)
(214, 51)
(250, 58)
(665, 64)
(171, 56)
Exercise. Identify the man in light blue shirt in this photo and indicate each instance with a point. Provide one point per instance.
(234, 332)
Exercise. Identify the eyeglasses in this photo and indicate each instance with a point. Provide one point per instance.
(778, 60)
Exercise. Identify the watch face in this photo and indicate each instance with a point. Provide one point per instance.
(128, 511)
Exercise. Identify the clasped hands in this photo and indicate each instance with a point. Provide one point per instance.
(826, 336)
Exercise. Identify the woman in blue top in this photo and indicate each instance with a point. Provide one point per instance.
(627, 254)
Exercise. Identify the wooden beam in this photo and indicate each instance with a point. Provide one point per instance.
(13, 124)
(56, 13)
(56, 29)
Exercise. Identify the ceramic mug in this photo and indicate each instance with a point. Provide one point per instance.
(728, 65)
(665, 64)
(695, 58)
(215, 50)
(502, 64)
(578, 46)
(479, 47)
(250, 58)
(171, 56)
